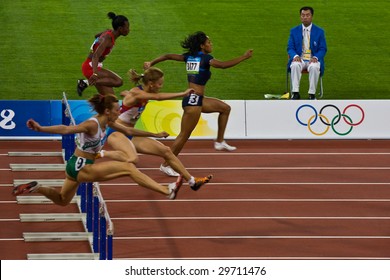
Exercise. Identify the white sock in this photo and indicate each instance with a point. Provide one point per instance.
(86, 81)
(191, 181)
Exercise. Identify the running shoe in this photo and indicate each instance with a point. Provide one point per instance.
(174, 187)
(81, 86)
(169, 171)
(200, 182)
(25, 188)
(219, 146)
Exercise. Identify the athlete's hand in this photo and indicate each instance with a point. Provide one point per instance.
(124, 93)
(147, 65)
(162, 134)
(31, 124)
(248, 53)
(93, 79)
(189, 91)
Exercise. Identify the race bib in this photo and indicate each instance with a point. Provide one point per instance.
(80, 163)
(192, 65)
(193, 99)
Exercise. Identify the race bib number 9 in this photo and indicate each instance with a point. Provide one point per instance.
(80, 162)
(193, 65)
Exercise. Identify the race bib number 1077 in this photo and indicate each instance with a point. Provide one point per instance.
(193, 65)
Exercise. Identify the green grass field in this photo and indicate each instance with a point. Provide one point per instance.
(43, 44)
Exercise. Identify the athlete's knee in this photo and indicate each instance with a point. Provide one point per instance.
(63, 201)
(167, 152)
(128, 157)
(132, 169)
(226, 108)
(118, 82)
(133, 158)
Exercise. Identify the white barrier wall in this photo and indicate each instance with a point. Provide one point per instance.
(249, 119)
(284, 119)
(319, 119)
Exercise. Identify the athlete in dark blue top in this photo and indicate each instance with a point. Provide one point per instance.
(198, 68)
(198, 61)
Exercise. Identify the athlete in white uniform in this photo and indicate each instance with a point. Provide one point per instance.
(81, 167)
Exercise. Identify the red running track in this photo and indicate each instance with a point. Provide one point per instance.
(268, 200)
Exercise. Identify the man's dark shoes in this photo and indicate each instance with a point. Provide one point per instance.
(295, 95)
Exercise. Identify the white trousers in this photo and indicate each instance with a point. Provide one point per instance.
(296, 75)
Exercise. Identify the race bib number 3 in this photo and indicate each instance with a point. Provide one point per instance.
(193, 99)
(193, 65)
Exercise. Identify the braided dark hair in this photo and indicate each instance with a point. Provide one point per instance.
(117, 21)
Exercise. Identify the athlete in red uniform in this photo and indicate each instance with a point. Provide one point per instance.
(133, 105)
(103, 79)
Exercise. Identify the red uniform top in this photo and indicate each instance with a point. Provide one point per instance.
(96, 44)
(131, 114)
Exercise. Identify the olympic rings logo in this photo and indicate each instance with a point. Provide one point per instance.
(330, 120)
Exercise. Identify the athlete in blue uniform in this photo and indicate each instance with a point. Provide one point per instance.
(198, 61)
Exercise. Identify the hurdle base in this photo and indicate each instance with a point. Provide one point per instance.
(37, 167)
(35, 154)
(63, 217)
(43, 182)
(57, 236)
(39, 199)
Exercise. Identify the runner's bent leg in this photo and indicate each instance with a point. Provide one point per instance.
(150, 146)
(120, 143)
(63, 197)
(189, 121)
(109, 170)
(213, 105)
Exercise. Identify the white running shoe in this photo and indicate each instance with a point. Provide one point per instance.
(174, 187)
(219, 146)
(169, 171)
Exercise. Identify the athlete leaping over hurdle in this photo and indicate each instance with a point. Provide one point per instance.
(81, 167)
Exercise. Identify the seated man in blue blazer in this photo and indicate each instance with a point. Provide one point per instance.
(306, 50)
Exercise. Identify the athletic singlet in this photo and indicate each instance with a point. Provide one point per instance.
(96, 44)
(198, 68)
(131, 114)
(90, 144)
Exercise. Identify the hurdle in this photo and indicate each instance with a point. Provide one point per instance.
(91, 202)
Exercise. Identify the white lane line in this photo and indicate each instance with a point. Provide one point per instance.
(283, 154)
(11, 239)
(131, 184)
(261, 258)
(266, 168)
(251, 200)
(268, 183)
(277, 154)
(305, 168)
(251, 237)
(252, 218)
